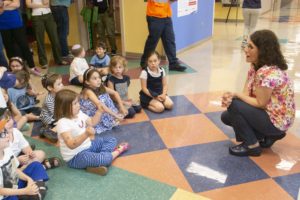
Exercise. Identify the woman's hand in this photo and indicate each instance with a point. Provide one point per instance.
(227, 99)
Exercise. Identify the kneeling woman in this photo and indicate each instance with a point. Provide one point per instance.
(266, 108)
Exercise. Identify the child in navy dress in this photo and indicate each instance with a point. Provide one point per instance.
(154, 86)
(120, 82)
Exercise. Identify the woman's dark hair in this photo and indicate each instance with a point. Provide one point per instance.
(48, 80)
(151, 54)
(86, 77)
(63, 103)
(269, 52)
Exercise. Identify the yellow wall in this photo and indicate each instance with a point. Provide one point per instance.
(135, 28)
(74, 37)
(221, 12)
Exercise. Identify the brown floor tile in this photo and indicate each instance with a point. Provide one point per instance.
(139, 117)
(187, 130)
(266, 189)
(207, 102)
(282, 158)
(157, 165)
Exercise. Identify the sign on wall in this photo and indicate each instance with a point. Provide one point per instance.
(186, 7)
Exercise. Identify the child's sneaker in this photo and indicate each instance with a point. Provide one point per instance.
(49, 134)
(101, 170)
(35, 71)
(122, 147)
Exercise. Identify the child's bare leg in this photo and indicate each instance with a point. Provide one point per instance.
(168, 103)
(156, 106)
(32, 117)
(21, 122)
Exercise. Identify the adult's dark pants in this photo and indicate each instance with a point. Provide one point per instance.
(61, 17)
(16, 44)
(3, 61)
(160, 28)
(249, 123)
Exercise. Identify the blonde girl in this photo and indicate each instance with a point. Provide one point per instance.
(120, 82)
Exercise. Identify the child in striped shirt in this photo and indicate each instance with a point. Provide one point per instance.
(52, 83)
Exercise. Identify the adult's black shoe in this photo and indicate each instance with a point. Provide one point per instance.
(243, 150)
(269, 141)
(177, 67)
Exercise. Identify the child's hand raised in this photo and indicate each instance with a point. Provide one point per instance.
(90, 131)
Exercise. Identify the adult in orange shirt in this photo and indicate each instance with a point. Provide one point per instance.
(160, 25)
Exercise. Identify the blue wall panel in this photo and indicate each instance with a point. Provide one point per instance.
(195, 27)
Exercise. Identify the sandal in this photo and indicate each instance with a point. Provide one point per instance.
(51, 163)
(122, 147)
(101, 170)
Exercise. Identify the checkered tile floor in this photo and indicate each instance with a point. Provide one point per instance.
(188, 148)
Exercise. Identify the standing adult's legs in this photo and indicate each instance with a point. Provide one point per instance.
(155, 28)
(101, 28)
(52, 34)
(110, 29)
(39, 30)
(61, 17)
(168, 40)
(246, 15)
(3, 61)
(254, 14)
(17, 38)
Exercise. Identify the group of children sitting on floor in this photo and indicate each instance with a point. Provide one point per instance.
(72, 119)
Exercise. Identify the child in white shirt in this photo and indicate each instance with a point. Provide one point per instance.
(78, 66)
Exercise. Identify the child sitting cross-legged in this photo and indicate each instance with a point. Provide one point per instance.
(78, 145)
(23, 151)
(52, 83)
(78, 66)
(95, 96)
(14, 183)
(20, 97)
(100, 60)
(120, 82)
